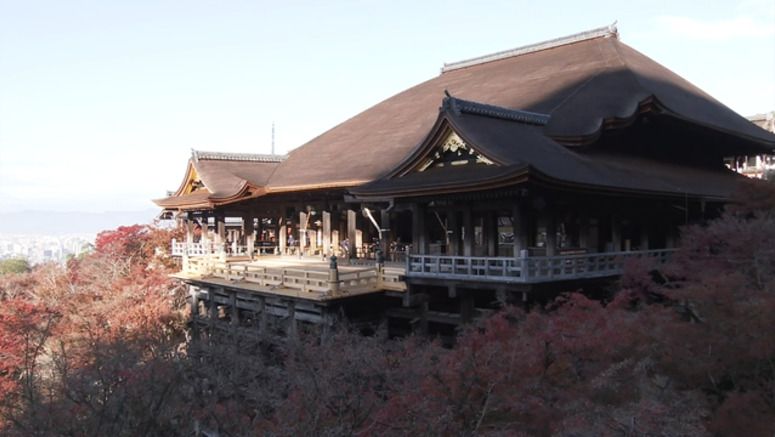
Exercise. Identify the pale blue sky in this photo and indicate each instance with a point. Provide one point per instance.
(101, 101)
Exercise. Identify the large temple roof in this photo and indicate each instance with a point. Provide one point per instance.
(514, 149)
(215, 178)
(584, 82)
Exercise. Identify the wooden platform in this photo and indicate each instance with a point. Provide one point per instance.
(293, 277)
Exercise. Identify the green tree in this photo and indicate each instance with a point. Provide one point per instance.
(14, 265)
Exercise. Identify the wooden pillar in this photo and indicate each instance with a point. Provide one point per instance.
(645, 227)
(302, 232)
(418, 229)
(282, 238)
(584, 232)
(189, 224)
(233, 311)
(220, 229)
(291, 331)
(454, 234)
(193, 293)
(466, 307)
(519, 223)
(551, 234)
(384, 222)
(491, 232)
(250, 234)
(423, 322)
(327, 250)
(670, 237)
(262, 316)
(616, 233)
(352, 227)
(468, 232)
(205, 240)
(212, 308)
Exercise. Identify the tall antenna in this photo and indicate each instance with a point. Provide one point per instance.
(272, 138)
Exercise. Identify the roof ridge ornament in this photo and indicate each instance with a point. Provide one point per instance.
(458, 106)
(235, 156)
(450, 103)
(609, 31)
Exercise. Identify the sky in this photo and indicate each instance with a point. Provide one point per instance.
(101, 102)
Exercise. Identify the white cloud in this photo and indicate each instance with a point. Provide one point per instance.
(717, 30)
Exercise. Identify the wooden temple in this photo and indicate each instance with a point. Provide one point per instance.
(508, 176)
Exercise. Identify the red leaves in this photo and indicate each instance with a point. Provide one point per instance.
(24, 329)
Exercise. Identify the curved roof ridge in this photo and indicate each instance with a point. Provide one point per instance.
(458, 106)
(235, 156)
(600, 32)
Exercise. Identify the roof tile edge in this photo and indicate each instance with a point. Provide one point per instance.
(601, 32)
(229, 156)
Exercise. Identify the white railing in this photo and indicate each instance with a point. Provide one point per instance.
(465, 267)
(527, 269)
(180, 248)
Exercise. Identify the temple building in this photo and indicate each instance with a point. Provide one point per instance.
(757, 166)
(506, 178)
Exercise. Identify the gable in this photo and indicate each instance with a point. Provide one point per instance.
(452, 151)
(192, 183)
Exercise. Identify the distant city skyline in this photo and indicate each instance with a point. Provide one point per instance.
(101, 102)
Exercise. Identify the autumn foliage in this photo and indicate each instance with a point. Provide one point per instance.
(686, 348)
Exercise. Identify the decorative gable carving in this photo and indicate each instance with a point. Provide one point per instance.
(453, 151)
(193, 182)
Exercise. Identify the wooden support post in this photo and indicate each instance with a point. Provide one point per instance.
(491, 232)
(282, 238)
(193, 293)
(327, 249)
(454, 233)
(422, 327)
(468, 232)
(205, 240)
(616, 232)
(325, 325)
(418, 229)
(302, 232)
(189, 224)
(212, 309)
(519, 225)
(291, 329)
(385, 233)
(250, 234)
(645, 227)
(551, 234)
(584, 232)
(262, 316)
(233, 311)
(220, 230)
(351, 232)
(466, 307)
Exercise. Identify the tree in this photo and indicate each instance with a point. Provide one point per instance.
(14, 265)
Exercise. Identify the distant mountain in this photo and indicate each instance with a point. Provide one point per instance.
(60, 223)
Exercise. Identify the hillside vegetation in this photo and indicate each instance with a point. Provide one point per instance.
(98, 348)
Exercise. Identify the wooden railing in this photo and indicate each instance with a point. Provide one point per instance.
(299, 279)
(464, 267)
(180, 248)
(526, 269)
